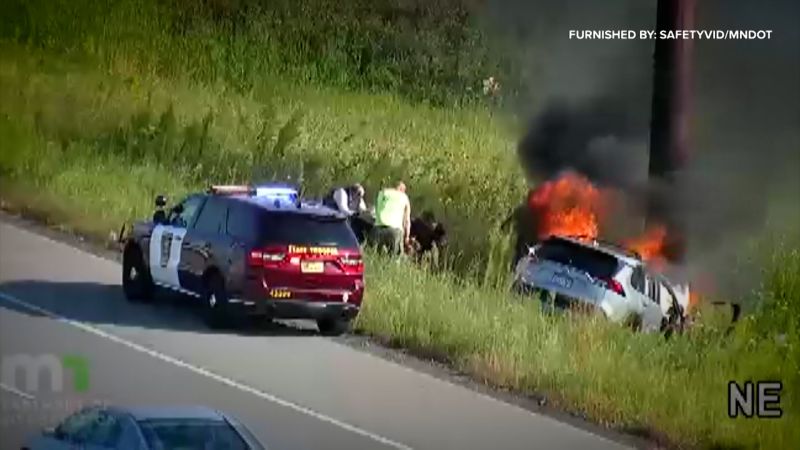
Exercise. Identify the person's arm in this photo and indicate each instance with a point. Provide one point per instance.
(340, 197)
(407, 221)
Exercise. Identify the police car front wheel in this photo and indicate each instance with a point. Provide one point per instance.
(136, 281)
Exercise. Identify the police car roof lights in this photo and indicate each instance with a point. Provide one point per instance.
(276, 191)
(229, 189)
(263, 190)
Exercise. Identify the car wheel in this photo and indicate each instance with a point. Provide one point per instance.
(674, 322)
(136, 281)
(333, 327)
(215, 303)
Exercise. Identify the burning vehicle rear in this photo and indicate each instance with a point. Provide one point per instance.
(572, 273)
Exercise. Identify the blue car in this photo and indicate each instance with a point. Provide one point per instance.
(147, 428)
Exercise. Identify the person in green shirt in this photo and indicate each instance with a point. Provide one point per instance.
(392, 219)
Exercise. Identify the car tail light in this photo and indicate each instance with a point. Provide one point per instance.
(352, 262)
(265, 257)
(614, 285)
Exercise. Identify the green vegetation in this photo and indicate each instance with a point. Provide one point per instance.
(101, 109)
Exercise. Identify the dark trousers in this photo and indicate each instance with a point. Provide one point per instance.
(388, 239)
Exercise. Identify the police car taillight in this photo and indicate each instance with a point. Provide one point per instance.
(352, 262)
(258, 258)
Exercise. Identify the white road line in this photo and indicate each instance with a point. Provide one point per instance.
(16, 391)
(205, 372)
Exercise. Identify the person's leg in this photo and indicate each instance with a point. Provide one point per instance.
(383, 239)
(396, 238)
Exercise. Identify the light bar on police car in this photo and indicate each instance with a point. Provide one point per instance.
(230, 189)
(277, 191)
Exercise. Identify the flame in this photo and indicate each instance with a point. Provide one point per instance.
(694, 300)
(650, 246)
(567, 206)
(703, 288)
(571, 205)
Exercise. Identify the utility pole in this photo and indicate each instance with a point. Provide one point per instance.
(669, 126)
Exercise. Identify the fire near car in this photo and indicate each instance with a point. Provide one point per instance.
(569, 273)
(178, 427)
(250, 251)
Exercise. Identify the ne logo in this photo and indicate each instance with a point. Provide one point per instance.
(760, 399)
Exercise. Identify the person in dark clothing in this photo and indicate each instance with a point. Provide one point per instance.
(362, 225)
(427, 234)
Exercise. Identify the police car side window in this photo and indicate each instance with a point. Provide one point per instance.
(240, 224)
(185, 217)
(212, 217)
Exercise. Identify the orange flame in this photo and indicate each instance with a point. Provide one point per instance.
(694, 300)
(567, 206)
(650, 246)
(571, 205)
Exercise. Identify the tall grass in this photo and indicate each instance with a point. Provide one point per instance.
(428, 50)
(676, 387)
(458, 163)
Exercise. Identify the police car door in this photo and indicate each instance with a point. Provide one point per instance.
(166, 242)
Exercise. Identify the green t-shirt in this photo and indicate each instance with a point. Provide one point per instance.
(389, 208)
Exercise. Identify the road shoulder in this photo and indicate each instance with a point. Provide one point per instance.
(109, 250)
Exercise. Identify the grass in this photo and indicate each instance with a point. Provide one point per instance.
(93, 125)
(452, 159)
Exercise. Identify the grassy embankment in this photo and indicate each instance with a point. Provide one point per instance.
(97, 116)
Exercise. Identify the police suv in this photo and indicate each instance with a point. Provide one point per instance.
(245, 250)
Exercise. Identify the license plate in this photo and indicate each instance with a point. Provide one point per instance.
(312, 266)
(562, 281)
(279, 293)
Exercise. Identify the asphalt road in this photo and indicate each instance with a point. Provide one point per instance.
(295, 389)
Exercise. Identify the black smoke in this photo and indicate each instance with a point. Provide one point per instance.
(589, 108)
(600, 138)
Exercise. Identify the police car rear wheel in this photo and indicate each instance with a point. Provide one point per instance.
(215, 302)
(136, 282)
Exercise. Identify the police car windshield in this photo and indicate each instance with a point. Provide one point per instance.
(306, 229)
(594, 262)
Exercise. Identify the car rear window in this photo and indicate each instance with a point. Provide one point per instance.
(306, 229)
(191, 434)
(594, 262)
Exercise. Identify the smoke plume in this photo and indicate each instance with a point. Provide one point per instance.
(591, 111)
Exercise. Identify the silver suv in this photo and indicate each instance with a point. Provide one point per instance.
(568, 273)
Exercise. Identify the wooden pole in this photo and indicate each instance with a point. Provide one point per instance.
(669, 127)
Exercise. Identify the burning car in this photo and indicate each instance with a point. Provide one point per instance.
(573, 272)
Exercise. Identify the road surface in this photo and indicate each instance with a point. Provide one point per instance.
(295, 389)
